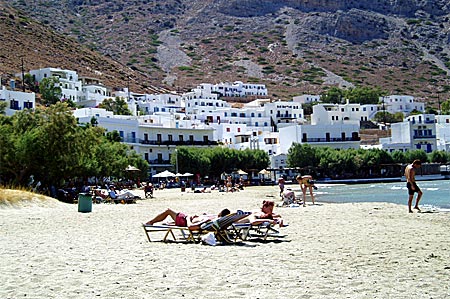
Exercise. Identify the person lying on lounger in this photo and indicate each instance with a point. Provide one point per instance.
(266, 214)
(181, 219)
(124, 194)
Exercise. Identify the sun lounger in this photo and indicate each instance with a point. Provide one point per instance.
(246, 231)
(220, 226)
(171, 233)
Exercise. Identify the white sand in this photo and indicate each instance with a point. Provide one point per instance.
(331, 251)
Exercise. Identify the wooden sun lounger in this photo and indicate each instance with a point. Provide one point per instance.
(245, 231)
(221, 227)
(171, 233)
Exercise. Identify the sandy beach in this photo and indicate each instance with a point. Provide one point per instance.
(365, 250)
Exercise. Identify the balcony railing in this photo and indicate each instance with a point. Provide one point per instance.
(424, 137)
(159, 162)
(167, 142)
(331, 139)
(426, 121)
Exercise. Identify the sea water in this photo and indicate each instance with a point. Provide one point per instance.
(436, 194)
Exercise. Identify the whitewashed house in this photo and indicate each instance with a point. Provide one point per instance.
(93, 92)
(415, 132)
(147, 104)
(155, 137)
(401, 103)
(337, 135)
(84, 91)
(71, 88)
(342, 113)
(443, 132)
(17, 100)
(306, 99)
(239, 89)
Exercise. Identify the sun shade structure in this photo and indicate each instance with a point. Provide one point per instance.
(164, 174)
(131, 168)
(264, 172)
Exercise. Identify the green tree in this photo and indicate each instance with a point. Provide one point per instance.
(114, 136)
(364, 95)
(48, 144)
(30, 83)
(50, 90)
(431, 110)
(334, 95)
(384, 116)
(118, 106)
(439, 157)
(399, 157)
(416, 155)
(3, 106)
(301, 155)
(445, 108)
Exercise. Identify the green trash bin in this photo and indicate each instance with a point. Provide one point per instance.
(84, 203)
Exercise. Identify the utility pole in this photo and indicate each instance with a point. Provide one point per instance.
(23, 78)
(128, 88)
(439, 104)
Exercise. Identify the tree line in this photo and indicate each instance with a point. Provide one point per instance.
(48, 145)
(213, 161)
(360, 163)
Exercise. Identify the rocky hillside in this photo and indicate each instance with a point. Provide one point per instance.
(25, 40)
(302, 46)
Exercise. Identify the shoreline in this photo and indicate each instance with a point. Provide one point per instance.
(431, 177)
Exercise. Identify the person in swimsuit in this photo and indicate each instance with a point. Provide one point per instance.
(281, 182)
(265, 214)
(306, 182)
(410, 174)
(181, 219)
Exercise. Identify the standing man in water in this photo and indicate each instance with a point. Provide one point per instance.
(410, 174)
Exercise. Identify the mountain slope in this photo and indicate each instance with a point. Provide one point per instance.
(301, 46)
(38, 46)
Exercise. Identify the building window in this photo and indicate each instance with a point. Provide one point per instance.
(180, 138)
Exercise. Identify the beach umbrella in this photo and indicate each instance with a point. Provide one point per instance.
(241, 172)
(187, 174)
(178, 174)
(131, 168)
(164, 174)
(264, 172)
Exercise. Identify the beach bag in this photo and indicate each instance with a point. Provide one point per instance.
(209, 239)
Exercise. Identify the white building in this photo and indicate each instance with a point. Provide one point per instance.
(284, 113)
(443, 132)
(17, 100)
(147, 104)
(415, 132)
(239, 89)
(83, 91)
(342, 113)
(401, 103)
(337, 135)
(306, 99)
(68, 82)
(155, 137)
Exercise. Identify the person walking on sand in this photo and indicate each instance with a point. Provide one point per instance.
(306, 182)
(410, 174)
(281, 182)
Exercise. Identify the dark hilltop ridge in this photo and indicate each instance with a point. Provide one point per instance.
(293, 47)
